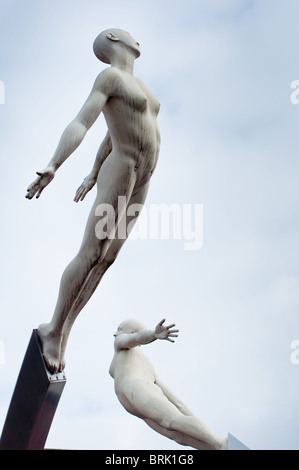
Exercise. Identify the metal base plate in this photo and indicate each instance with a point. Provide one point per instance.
(235, 444)
(34, 402)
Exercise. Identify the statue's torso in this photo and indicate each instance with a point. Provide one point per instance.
(131, 115)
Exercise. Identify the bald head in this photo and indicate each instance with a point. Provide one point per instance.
(130, 326)
(114, 41)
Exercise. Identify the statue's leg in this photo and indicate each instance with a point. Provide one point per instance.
(91, 253)
(186, 437)
(150, 404)
(196, 433)
(94, 278)
(174, 435)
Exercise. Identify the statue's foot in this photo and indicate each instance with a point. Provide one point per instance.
(51, 345)
(224, 445)
(61, 364)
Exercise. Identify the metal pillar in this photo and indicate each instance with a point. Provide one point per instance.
(34, 402)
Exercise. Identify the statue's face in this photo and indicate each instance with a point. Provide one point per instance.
(118, 35)
(134, 45)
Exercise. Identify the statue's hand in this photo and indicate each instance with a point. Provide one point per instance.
(86, 186)
(165, 332)
(44, 178)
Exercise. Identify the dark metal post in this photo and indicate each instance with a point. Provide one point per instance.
(33, 404)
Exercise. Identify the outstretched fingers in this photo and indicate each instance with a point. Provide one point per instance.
(80, 194)
(166, 332)
(39, 192)
(39, 184)
(33, 189)
(85, 187)
(168, 327)
(171, 331)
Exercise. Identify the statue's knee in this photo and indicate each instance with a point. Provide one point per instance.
(166, 423)
(172, 424)
(91, 255)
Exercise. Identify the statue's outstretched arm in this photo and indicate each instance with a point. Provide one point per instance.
(72, 136)
(131, 340)
(91, 179)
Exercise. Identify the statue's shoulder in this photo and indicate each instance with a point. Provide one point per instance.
(109, 73)
(107, 79)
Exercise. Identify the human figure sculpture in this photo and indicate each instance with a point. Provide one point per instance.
(144, 395)
(123, 167)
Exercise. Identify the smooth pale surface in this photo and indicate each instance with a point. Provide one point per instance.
(143, 394)
(235, 444)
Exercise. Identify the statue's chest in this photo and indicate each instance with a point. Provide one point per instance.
(131, 94)
(136, 98)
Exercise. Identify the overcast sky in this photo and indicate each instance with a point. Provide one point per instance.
(221, 70)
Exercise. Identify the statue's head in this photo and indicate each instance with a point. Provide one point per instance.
(130, 326)
(112, 41)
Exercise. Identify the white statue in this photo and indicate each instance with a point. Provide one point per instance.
(124, 164)
(143, 394)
